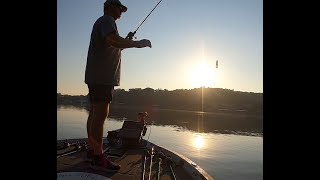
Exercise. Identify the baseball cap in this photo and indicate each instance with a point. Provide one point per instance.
(116, 2)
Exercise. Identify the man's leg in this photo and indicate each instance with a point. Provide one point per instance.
(89, 122)
(99, 97)
(100, 111)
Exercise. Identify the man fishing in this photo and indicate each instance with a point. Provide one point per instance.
(102, 74)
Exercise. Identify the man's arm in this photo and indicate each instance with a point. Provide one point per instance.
(119, 42)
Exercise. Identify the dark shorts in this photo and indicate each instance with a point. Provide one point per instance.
(100, 93)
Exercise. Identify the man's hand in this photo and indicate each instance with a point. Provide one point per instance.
(143, 43)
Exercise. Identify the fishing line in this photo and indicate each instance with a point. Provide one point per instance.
(148, 15)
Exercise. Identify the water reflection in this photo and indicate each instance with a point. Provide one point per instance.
(198, 142)
(240, 123)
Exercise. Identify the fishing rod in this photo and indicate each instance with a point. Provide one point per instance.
(172, 171)
(166, 159)
(159, 168)
(144, 165)
(76, 148)
(131, 34)
(151, 156)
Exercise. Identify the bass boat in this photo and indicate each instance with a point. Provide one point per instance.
(139, 158)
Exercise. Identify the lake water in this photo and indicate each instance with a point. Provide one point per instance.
(224, 156)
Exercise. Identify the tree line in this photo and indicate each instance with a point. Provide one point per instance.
(197, 99)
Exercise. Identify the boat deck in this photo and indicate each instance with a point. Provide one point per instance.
(130, 159)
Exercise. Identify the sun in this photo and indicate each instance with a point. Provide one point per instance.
(203, 75)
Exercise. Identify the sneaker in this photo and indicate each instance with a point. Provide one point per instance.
(89, 155)
(101, 163)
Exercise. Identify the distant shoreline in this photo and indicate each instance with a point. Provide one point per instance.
(215, 100)
(239, 123)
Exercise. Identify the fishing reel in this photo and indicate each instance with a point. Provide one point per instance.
(131, 35)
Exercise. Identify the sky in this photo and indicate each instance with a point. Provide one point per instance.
(188, 37)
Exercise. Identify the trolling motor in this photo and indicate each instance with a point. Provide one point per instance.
(142, 119)
(131, 34)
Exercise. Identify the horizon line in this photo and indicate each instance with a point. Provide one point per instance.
(172, 90)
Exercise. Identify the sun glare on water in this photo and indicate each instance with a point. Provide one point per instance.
(198, 142)
(204, 75)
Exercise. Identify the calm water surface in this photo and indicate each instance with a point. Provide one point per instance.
(223, 156)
